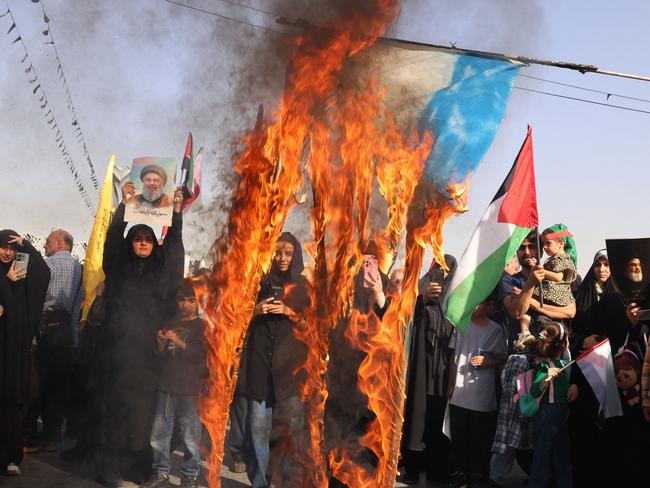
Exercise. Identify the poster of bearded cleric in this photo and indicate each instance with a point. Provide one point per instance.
(153, 202)
(629, 262)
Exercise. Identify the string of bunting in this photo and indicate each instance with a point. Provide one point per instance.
(39, 91)
(75, 119)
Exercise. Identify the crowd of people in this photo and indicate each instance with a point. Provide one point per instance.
(126, 381)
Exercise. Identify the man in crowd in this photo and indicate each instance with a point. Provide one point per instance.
(513, 436)
(59, 332)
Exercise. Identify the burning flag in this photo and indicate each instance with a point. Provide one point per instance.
(361, 121)
(93, 274)
(598, 368)
(505, 224)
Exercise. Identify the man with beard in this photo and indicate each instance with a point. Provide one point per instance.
(153, 195)
(513, 436)
(634, 271)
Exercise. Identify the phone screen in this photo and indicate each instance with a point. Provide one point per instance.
(22, 260)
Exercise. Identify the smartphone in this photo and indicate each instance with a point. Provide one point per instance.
(370, 271)
(437, 275)
(22, 260)
(277, 292)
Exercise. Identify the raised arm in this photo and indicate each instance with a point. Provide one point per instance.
(553, 311)
(114, 243)
(173, 248)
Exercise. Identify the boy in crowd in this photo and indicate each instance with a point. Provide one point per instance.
(472, 394)
(182, 347)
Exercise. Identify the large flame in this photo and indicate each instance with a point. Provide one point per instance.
(270, 176)
(351, 145)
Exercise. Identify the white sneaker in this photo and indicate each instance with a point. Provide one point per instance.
(13, 470)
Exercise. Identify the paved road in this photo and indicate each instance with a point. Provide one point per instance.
(48, 470)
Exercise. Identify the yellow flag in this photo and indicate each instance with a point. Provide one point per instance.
(93, 272)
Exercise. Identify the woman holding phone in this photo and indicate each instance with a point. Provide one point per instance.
(271, 354)
(22, 293)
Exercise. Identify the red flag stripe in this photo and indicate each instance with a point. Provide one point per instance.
(519, 206)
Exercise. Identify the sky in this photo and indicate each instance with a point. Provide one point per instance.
(143, 73)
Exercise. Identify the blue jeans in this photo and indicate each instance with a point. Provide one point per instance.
(552, 455)
(183, 409)
(259, 430)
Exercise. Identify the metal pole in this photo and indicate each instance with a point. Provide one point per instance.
(583, 68)
(539, 260)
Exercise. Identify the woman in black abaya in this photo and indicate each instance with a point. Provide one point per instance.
(141, 277)
(424, 444)
(21, 298)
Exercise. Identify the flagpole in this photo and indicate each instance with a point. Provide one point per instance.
(582, 68)
(539, 260)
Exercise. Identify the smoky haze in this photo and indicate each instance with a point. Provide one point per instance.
(142, 74)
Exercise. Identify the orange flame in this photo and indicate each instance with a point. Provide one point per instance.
(270, 176)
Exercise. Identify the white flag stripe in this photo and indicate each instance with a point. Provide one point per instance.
(598, 369)
(488, 236)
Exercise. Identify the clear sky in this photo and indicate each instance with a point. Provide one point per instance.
(143, 73)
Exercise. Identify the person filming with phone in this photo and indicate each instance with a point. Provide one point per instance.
(24, 278)
(271, 354)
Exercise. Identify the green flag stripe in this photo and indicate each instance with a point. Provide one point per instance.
(477, 286)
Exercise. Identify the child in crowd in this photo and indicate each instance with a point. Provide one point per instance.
(559, 273)
(551, 457)
(472, 394)
(183, 369)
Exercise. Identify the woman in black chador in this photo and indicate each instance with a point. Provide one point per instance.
(141, 277)
(424, 444)
(21, 302)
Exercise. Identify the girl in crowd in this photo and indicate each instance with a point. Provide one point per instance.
(551, 456)
(141, 279)
(22, 294)
(271, 355)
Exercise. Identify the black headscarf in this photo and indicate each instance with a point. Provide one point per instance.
(586, 296)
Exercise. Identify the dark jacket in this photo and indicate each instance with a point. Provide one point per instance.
(183, 371)
(272, 352)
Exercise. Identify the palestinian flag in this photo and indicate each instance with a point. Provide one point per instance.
(598, 368)
(507, 221)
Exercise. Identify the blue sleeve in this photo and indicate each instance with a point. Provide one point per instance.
(507, 284)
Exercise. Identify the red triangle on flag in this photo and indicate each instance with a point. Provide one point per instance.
(519, 205)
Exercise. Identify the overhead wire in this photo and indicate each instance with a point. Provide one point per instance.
(63, 147)
(621, 107)
(70, 104)
(609, 94)
(226, 17)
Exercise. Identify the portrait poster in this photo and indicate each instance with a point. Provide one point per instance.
(153, 202)
(629, 262)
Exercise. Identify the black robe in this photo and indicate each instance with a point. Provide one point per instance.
(139, 299)
(23, 303)
(428, 369)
